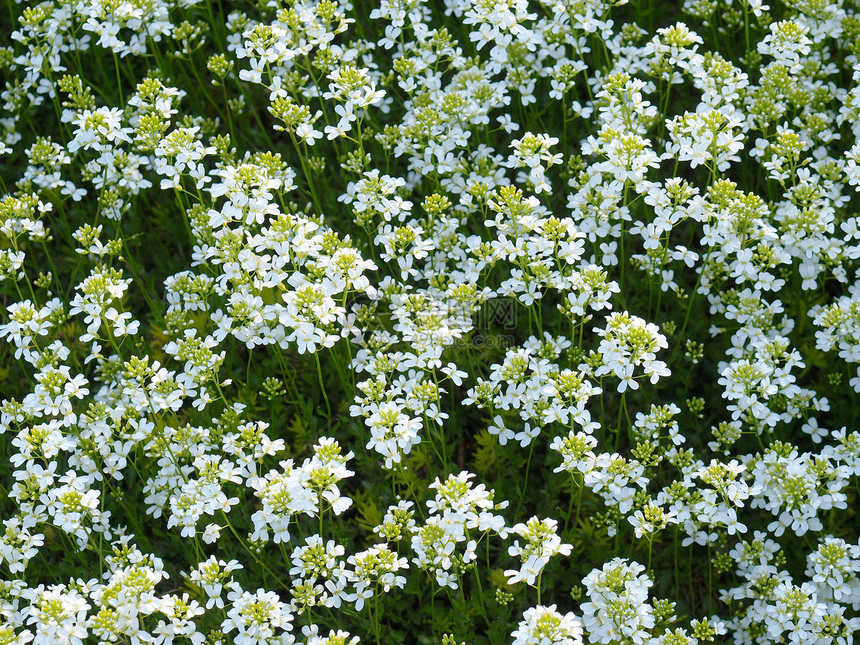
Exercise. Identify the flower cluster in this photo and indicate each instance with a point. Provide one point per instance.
(321, 319)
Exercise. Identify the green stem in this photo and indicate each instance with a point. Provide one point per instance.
(526, 482)
(322, 386)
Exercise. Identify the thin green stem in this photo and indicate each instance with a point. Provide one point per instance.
(322, 386)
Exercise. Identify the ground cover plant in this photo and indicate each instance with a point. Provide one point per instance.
(468, 321)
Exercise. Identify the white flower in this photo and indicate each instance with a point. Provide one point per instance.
(58, 614)
(257, 617)
(618, 608)
(628, 342)
(545, 626)
(542, 542)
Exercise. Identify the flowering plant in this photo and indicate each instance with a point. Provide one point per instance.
(485, 321)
